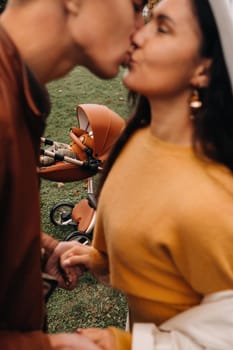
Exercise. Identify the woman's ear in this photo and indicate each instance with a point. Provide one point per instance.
(201, 76)
(72, 6)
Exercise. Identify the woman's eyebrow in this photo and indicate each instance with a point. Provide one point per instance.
(163, 17)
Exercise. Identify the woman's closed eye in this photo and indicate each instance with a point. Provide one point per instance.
(162, 29)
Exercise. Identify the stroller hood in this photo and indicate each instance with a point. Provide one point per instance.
(105, 124)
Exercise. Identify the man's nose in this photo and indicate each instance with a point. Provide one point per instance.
(140, 21)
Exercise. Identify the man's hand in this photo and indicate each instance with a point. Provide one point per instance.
(67, 277)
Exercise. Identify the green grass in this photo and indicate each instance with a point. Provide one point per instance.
(91, 303)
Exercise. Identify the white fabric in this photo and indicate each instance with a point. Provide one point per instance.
(207, 326)
(223, 12)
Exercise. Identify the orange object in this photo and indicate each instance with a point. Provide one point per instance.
(99, 128)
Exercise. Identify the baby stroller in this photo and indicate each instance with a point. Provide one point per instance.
(99, 128)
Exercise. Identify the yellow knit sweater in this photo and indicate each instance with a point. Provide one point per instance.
(164, 228)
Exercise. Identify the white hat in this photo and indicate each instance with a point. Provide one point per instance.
(223, 12)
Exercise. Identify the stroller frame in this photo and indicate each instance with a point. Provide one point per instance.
(67, 169)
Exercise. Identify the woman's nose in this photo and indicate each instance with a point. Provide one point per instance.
(140, 35)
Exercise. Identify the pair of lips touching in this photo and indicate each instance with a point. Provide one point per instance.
(128, 59)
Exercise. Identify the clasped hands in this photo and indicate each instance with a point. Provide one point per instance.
(68, 263)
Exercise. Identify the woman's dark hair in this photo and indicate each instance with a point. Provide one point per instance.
(213, 124)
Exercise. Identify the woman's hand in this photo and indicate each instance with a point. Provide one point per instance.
(78, 255)
(86, 258)
(66, 341)
(102, 337)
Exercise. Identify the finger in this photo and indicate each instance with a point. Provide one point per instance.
(102, 337)
(71, 273)
(75, 249)
(91, 333)
(78, 249)
(75, 260)
(85, 343)
(95, 334)
(71, 277)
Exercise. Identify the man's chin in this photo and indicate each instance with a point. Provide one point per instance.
(104, 72)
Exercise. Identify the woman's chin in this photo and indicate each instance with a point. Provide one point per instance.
(126, 79)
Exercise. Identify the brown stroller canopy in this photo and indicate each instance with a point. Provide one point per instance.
(105, 124)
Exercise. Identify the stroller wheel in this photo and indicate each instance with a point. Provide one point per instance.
(80, 237)
(61, 214)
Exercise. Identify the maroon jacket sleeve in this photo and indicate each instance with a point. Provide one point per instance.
(24, 341)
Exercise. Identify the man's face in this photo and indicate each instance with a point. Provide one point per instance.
(107, 29)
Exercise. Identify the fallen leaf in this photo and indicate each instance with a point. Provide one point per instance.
(60, 184)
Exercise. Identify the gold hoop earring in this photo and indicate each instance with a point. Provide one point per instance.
(195, 102)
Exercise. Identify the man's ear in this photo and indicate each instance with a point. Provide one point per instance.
(201, 76)
(72, 6)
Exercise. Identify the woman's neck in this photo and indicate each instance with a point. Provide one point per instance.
(171, 120)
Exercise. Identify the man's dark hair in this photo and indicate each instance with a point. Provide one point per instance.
(2, 5)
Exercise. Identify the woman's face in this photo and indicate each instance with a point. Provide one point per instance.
(104, 33)
(167, 55)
